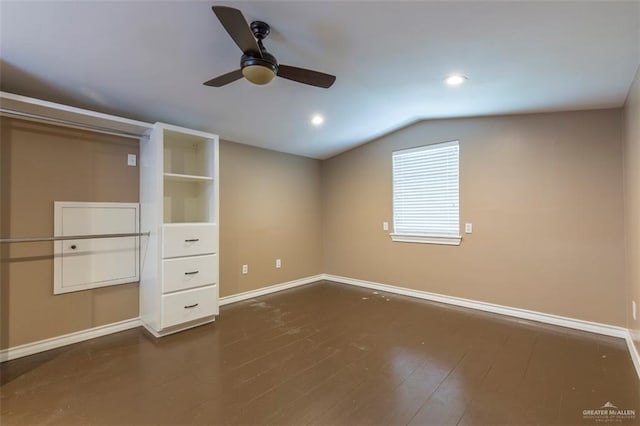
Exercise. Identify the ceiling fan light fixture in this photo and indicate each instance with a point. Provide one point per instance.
(256, 64)
(258, 74)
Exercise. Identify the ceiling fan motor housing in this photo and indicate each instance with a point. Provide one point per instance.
(267, 60)
(260, 29)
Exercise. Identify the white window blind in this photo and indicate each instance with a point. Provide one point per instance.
(426, 194)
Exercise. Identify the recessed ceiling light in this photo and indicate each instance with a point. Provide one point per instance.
(455, 79)
(317, 120)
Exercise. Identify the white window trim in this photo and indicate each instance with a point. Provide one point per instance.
(451, 240)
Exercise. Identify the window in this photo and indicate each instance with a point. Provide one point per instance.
(426, 194)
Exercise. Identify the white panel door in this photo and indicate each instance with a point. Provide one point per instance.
(88, 263)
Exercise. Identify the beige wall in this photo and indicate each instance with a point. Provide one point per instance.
(632, 201)
(41, 164)
(270, 208)
(544, 195)
(543, 192)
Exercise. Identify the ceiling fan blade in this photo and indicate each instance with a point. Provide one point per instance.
(223, 79)
(233, 21)
(301, 75)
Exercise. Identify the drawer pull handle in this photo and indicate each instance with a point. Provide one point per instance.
(191, 306)
(191, 273)
(192, 240)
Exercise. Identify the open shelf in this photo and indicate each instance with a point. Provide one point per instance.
(188, 170)
(186, 201)
(186, 154)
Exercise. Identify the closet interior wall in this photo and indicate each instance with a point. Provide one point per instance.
(41, 163)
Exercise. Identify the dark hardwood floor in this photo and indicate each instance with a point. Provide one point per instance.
(328, 354)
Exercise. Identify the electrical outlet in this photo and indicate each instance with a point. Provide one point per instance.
(634, 312)
(385, 226)
(468, 228)
(245, 269)
(278, 264)
(131, 160)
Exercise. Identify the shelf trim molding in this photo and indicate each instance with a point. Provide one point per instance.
(187, 178)
(179, 129)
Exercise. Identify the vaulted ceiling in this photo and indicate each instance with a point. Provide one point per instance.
(147, 60)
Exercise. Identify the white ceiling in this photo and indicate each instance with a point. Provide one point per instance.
(148, 60)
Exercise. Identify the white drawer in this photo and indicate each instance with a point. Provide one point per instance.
(189, 239)
(189, 272)
(189, 305)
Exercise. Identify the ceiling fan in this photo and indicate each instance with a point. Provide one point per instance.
(257, 65)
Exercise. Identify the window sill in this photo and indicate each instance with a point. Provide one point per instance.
(427, 239)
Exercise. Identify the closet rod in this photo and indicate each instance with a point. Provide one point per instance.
(73, 237)
(69, 123)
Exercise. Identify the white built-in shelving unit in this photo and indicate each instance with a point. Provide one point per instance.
(179, 187)
(179, 195)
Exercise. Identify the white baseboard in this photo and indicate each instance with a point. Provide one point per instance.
(593, 327)
(80, 336)
(66, 339)
(577, 324)
(267, 290)
(633, 351)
